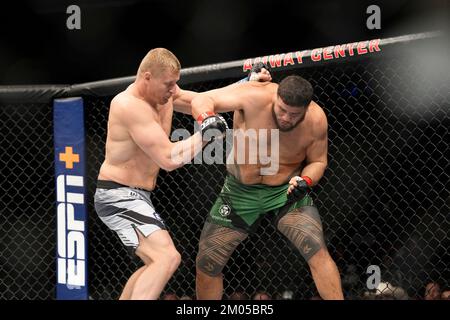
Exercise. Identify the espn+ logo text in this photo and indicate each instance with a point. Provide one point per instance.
(70, 232)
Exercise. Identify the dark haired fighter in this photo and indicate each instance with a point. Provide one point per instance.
(252, 190)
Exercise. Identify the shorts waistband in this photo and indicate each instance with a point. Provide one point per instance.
(108, 184)
(231, 178)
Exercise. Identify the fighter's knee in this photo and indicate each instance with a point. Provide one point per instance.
(319, 258)
(173, 259)
(168, 257)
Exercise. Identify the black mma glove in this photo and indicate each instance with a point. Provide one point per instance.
(253, 74)
(256, 68)
(304, 184)
(210, 120)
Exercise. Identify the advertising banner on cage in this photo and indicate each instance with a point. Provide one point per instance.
(70, 186)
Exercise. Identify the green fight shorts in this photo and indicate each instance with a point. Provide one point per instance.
(241, 207)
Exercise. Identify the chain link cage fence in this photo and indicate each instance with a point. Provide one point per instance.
(384, 199)
(27, 219)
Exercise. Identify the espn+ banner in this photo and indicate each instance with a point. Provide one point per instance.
(70, 179)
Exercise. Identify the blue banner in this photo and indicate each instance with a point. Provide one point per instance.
(70, 179)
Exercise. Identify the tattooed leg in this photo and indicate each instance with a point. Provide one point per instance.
(217, 243)
(303, 228)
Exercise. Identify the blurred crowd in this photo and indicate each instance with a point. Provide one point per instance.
(384, 291)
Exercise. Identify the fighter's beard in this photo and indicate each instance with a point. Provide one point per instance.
(278, 125)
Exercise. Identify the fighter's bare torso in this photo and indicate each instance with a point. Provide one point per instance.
(293, 144)
(125, 162)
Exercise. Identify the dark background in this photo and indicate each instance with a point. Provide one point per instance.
(37, 48)
(384, 198)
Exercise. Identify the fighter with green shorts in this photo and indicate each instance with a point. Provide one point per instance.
(297, 149)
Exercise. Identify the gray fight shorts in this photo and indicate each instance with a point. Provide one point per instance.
(124, 208)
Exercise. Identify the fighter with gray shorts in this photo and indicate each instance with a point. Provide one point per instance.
(126, 210)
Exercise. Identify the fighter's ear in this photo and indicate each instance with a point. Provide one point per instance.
(147, 75)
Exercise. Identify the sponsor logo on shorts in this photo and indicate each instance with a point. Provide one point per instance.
(157, 216)
(224, 210)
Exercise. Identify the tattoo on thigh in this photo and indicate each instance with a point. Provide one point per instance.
(216, 246)
(304, 229)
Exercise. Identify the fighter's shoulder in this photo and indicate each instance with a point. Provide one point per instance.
(126, 100)
(126, 106)
(318, 118)
(260, 86)
(317, 112)
(261, 90)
